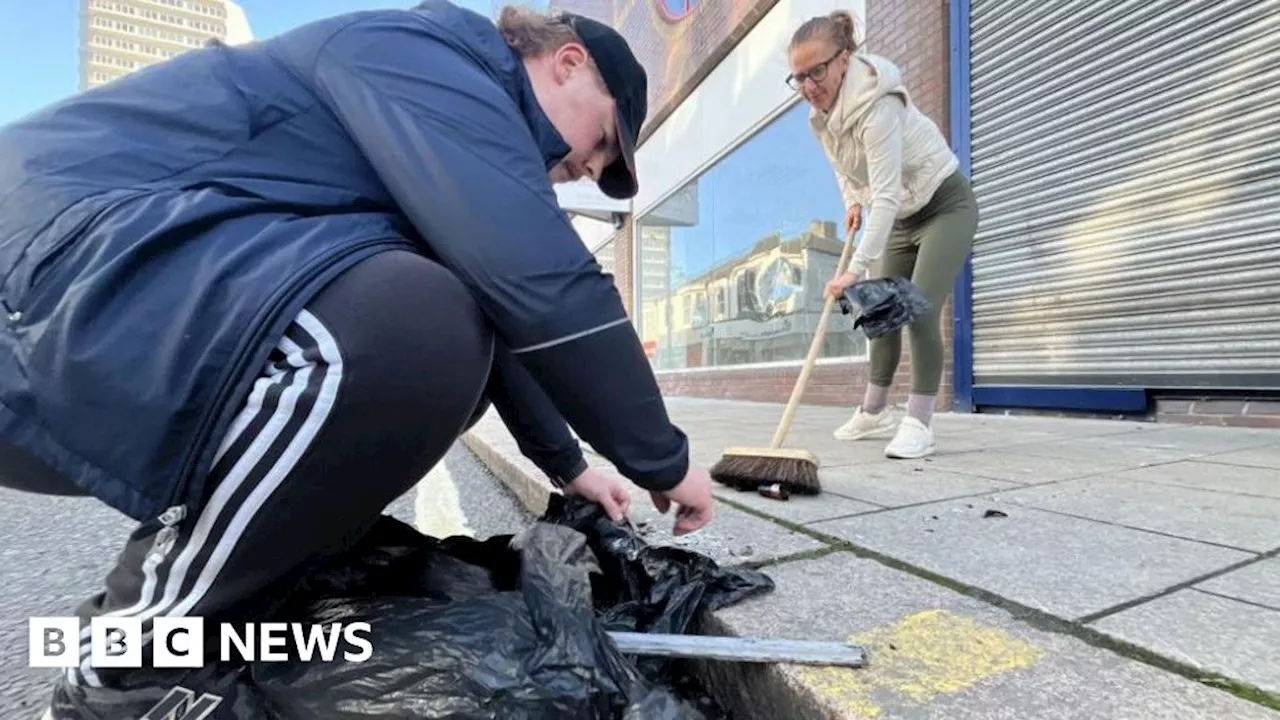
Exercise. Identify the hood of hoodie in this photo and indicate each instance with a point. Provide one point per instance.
(869, 78)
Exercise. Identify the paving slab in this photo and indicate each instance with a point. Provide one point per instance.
(936, 655)
(1258, 583)
(1238, 521)
(952, 439)
(1206, 474)
(1267, 456)
(753, 423)
(1126, 455)
(1005, 434)
(1194, 438)
(1022, 469)
(894, 484)
(1017, 428)
(1219, 634)
(1070, 567)
(799, 509)
(734, 537)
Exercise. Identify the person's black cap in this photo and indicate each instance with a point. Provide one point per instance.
(627, 83)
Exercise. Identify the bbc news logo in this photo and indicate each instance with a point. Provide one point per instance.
(179, 642)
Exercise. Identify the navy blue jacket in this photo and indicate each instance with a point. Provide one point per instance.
(157, 234)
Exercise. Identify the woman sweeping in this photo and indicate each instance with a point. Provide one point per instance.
(891, 160)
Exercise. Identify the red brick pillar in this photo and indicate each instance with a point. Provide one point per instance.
(623, 258)
(914, 35)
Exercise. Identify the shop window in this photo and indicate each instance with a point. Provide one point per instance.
(733, 265)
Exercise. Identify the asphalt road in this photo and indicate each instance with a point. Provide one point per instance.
(56, 551)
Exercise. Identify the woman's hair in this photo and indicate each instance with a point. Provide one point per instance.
(838, 27)
(532, 34)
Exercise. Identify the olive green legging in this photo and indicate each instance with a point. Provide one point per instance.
(930, 248)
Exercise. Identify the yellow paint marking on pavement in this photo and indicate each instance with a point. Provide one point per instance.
(918, 658)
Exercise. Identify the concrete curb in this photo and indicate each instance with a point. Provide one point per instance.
(532, 494)
(747, 691)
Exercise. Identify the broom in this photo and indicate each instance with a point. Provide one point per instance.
(746, 468)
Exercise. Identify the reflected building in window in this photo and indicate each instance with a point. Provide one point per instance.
(762, 306)
(118, 37)
(733, 265)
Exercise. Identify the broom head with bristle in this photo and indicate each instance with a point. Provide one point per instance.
(750, 468)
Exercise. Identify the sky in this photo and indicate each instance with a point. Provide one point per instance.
(39, 42)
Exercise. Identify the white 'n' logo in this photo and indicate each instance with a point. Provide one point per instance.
(182, 704)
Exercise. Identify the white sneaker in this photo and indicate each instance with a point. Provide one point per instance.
(863, 424)
(914, 440)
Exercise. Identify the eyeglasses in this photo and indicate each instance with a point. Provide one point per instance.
(817, 73)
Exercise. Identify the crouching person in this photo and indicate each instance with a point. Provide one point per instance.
(251, 295)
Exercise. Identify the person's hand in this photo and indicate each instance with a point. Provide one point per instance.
(836, 287)
(853, 220)
(610, 493)
(695, 504)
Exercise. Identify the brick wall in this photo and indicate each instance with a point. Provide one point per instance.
(619, 250)
(623, 256)
(1219, 410)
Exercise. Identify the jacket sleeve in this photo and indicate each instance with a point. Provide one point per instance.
(456, 154)
(540, 432)
(882, 138)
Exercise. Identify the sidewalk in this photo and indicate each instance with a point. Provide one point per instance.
(1134, 573)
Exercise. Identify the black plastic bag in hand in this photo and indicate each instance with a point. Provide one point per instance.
(884, 305)
(509, 627)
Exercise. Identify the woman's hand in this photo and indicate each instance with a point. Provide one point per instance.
(853, 220)
(610, 493)
(836, 287)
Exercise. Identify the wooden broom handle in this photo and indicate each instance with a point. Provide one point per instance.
(789, 414)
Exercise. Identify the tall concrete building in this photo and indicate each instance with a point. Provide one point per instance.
(118, 37)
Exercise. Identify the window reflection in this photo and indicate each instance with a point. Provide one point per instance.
(733, 265)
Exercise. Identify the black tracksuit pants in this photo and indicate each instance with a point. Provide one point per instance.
(367, 390)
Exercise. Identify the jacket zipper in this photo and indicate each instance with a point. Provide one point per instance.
(177, 509)
(168, 535)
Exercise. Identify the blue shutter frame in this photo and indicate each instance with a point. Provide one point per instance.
(968, 396)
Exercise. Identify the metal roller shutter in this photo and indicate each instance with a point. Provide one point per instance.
(1126, 159)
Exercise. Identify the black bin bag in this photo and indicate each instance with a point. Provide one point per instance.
(883, 305)
(462, 629)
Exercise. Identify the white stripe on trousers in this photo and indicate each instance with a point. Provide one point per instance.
(171, 604)
(252, 410)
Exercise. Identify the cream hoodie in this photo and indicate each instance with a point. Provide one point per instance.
(887, 155)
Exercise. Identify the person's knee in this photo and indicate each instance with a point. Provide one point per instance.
(926, 329)
(886, 347)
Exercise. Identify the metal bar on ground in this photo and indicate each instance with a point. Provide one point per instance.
(758, 650)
